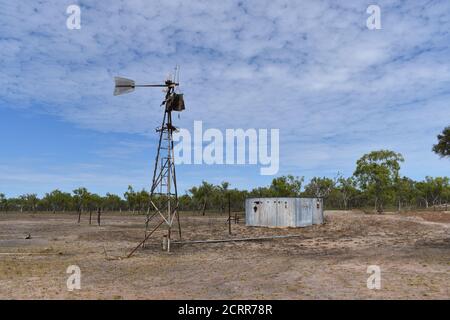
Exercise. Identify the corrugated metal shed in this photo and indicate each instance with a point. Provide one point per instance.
(283, 212)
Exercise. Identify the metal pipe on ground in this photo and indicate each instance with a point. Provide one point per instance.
(237, 239)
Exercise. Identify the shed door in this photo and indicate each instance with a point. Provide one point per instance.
(304, 212)
(285, 213)
(318, 211)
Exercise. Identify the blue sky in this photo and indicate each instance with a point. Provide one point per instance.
(312, 69)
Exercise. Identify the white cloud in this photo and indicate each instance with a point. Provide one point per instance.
(310, 68)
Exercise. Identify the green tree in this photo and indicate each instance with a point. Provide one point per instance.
(142, 199)
(22, 202)
(112, 202)
(81, 200)
(185, 202)
(286, 186)
(237, 198)
(442, 148)
(320, 187)
(57, 200)
(446, 196)
(203, 194)
(435, 189)
(222, 194)
(94, 202)
(260, 192)
(3, 202)
(130, 197)
(405, 192)
(377, 173)
(424, 192)
(347, 190)
(14, 204)
(28, 201)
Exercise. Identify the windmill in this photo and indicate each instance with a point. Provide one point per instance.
(163, 193)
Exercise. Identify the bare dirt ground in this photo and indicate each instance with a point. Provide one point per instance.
(326, 262)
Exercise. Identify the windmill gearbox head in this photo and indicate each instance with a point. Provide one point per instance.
(175, 102)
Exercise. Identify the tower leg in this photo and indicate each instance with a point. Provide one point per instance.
(168, 241)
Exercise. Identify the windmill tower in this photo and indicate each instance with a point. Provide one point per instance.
(163, 192)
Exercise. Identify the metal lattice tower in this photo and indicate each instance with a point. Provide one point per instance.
(163, 192)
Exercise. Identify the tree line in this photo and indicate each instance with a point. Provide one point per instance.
(376, 183)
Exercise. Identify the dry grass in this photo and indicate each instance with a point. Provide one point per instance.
(327, 262)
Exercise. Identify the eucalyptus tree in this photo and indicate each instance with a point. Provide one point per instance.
(130, 197)
(185, 202)
(58, 200)
(142, 200)
(94, 202)
(320, 187)
(377, 172)
(405, 192)
(347, 190)
(222, 194)
(437, 188)
(81, 200)
(28, 202)
(202, 194)
(112, 202)
(286, 186)
(3, 203)
(442, 147)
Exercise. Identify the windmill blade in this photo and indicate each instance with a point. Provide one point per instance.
(123, 82)
(123, 85)
(122, 90)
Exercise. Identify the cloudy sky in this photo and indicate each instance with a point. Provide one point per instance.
(312, 69)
